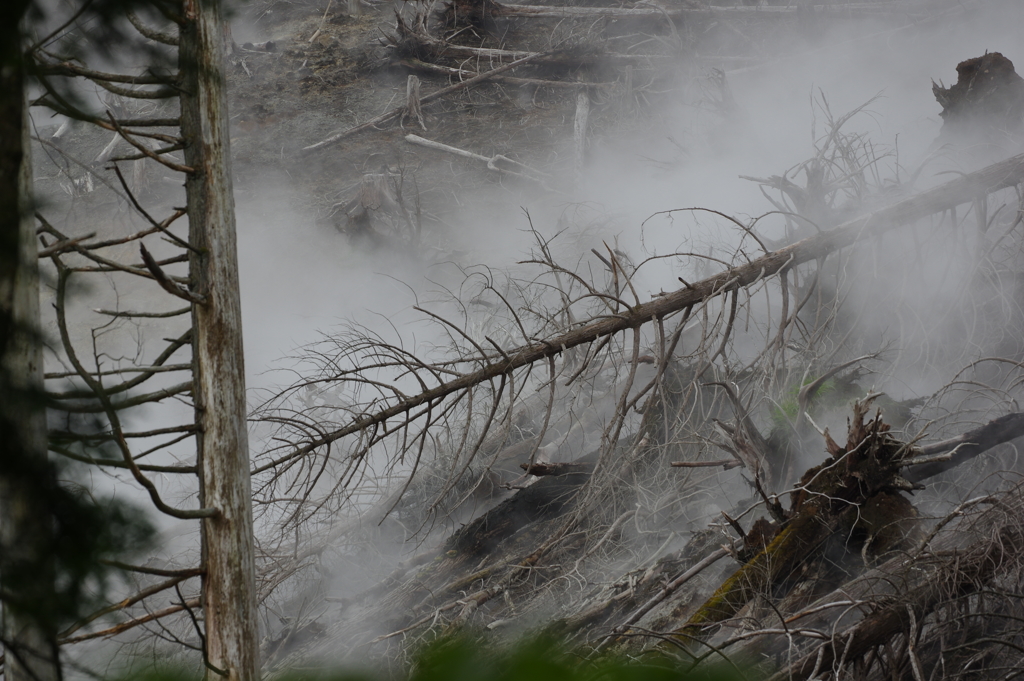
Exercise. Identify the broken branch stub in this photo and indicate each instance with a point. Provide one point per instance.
(413, 111)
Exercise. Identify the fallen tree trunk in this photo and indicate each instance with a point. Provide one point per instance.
(830, 497)
(967, 446)
(945, 197)
(547, 498)
(962, 572)
(853, 481)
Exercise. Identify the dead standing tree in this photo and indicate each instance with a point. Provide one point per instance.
(215, 382)
(229, 588)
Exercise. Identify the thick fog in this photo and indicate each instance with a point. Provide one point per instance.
(303, 281)
(299, 280)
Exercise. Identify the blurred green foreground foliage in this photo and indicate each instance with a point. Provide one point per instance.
(460, 659)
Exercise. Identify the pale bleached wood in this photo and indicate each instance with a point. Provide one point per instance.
(413, 110)
(229, 585)
(511, 80)
(492, 162)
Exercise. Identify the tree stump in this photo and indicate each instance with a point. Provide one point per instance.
(987, 99)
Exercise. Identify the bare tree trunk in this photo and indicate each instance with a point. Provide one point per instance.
(229, 600)
(29, 633)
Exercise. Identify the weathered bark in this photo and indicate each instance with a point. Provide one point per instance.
(820, 508)
(942, 198)
(229, 599)
(796, 544)
(24, 531)
(413, 111)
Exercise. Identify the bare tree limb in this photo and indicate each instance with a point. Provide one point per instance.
(131, 624)
(132, 600)
(150, 32)
(165, 281)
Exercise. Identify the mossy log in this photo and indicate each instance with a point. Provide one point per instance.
(830, 497)
(961, 575)
(790, 548)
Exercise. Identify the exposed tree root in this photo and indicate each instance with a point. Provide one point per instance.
(856, 493)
